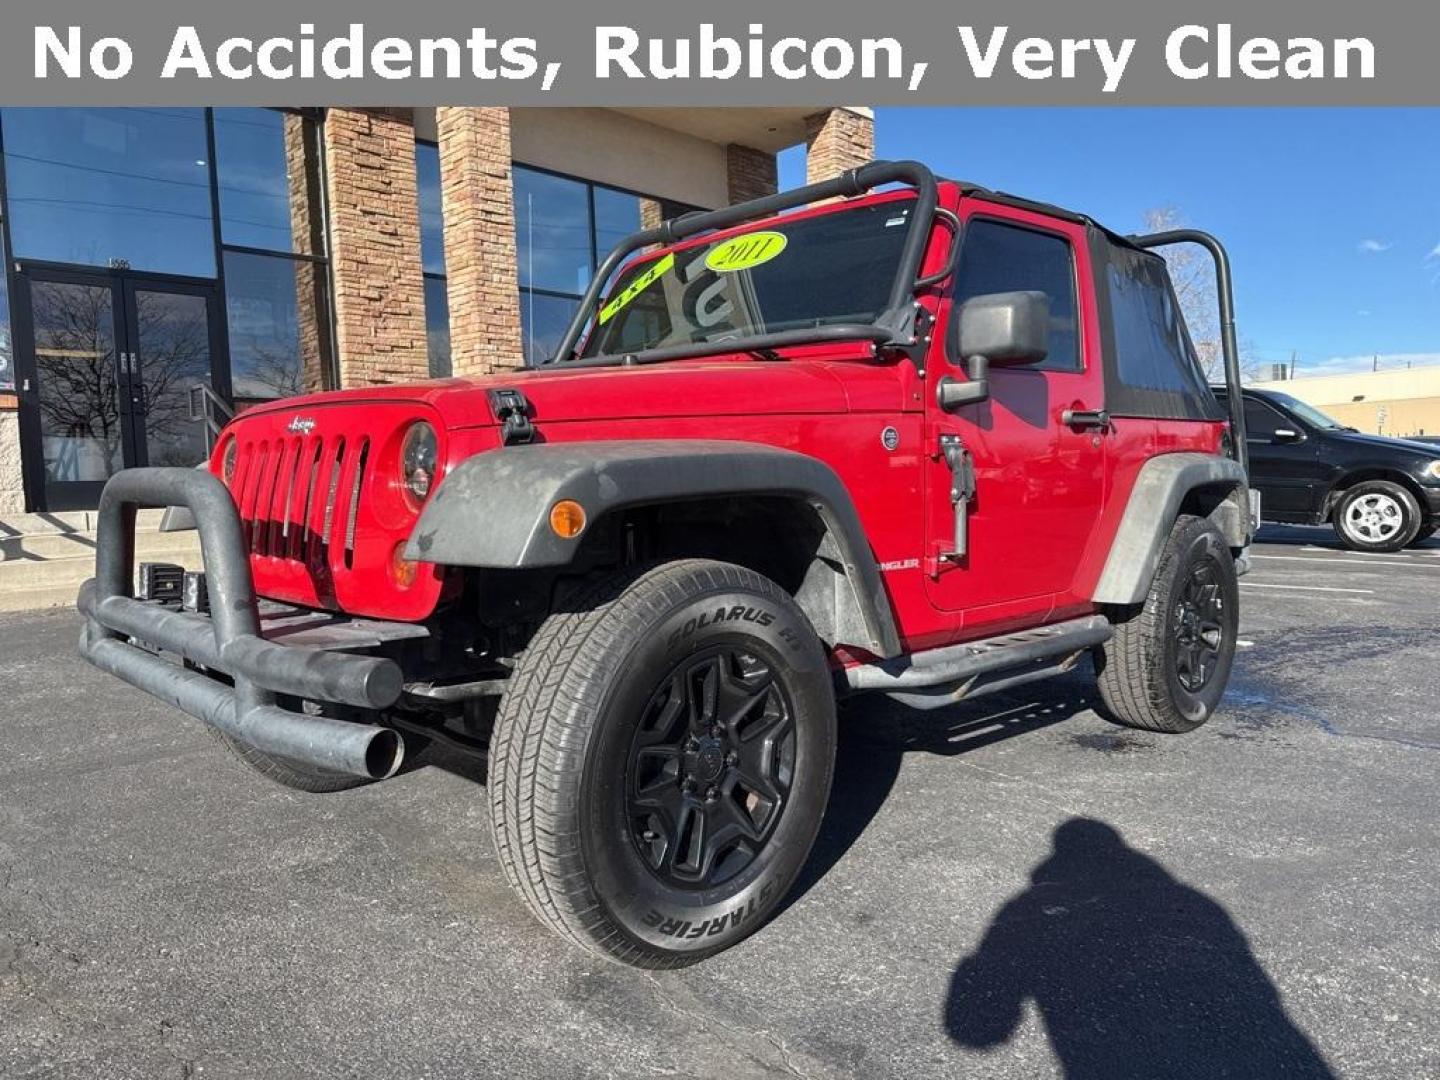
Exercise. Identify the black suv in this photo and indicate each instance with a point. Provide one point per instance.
(1380, 494)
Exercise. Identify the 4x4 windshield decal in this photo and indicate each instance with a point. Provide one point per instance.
(618, 303)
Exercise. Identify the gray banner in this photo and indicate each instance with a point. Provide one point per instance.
(1290, 52)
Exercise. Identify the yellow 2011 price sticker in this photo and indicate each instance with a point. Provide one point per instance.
(648, 277)
(745, 252)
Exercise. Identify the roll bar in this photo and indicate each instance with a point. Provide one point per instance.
(895, 326)
(1228, 347)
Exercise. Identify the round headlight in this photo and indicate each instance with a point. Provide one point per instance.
(1433, 469)
(227, 463)
(417, 461)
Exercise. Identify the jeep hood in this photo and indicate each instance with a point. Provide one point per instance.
(724, 387)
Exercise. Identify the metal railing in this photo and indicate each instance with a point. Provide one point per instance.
(210, 409)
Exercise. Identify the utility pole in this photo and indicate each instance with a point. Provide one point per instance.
(1293, 354)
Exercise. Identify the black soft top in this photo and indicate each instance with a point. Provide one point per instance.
(1152, 369)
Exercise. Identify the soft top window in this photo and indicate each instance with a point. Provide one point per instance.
(1153, 369)
(828, 269)
(997, 257)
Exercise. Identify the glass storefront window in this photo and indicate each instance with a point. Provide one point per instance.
(617, 215)
(544, 320)
(267, 164)
(563, 228)
(111, 187)
(432, 219)
(279, 326)
(432, 255)
(552, 231)
(437, 326)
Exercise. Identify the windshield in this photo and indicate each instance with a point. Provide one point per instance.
(1311, 415)
(780, 275)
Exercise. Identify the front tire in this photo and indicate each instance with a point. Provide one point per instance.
(1166, 667)
(662, 761)
(1377, 515)
(1426, 531)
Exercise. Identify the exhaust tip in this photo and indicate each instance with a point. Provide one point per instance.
(385, 754)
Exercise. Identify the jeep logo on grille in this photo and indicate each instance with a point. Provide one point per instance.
(301, 425)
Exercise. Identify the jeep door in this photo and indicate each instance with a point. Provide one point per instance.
(1039, 484)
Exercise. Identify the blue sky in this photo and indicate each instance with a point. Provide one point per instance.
(1331, 216)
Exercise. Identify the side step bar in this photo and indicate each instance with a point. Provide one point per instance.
(939, 677)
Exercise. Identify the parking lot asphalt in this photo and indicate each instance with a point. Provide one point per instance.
(1009, 888)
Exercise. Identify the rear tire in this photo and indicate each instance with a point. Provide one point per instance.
(1426, 531)
(1166, 667)
(662, 760)
(1377, 515)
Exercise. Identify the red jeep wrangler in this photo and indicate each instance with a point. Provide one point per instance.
(915, 438)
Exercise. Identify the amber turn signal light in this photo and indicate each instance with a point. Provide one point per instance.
(402, 571)
(567, 519)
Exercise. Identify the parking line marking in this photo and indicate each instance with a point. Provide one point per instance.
(1353, 562)
(1303, 588)
(1414, 556)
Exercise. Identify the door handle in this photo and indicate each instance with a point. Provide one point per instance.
(1085, 418)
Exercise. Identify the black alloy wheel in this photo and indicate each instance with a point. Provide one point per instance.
(1167, 665)
(1198, 625)
(710, 767)
(662, 759)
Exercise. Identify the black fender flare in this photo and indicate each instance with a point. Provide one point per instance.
(1160, 489)
(493, 510)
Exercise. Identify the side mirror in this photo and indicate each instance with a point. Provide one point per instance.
(998, 328)
(1285, 435)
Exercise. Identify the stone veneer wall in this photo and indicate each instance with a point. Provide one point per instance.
(12, 484)
(379, 289)
(836, 140)
(750, 173)
(481, 266)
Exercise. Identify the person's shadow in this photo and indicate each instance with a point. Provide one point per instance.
(1134, 974)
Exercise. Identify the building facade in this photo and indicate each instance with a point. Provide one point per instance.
(1400, 402)
(165, 262)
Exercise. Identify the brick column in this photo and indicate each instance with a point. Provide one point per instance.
(652, 214)
(12, 483)
(836, 140)
(750, 173)
(375, 247)
(481, 266)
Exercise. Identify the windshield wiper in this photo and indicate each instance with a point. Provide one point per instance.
(760, 353)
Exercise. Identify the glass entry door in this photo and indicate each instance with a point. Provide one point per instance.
(113, 358)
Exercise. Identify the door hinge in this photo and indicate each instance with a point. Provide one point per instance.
(962, 491)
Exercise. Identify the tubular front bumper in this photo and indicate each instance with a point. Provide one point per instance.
(227, 642)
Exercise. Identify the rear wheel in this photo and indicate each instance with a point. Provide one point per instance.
(662, 760)
(1167, 665)
(1377, 515)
